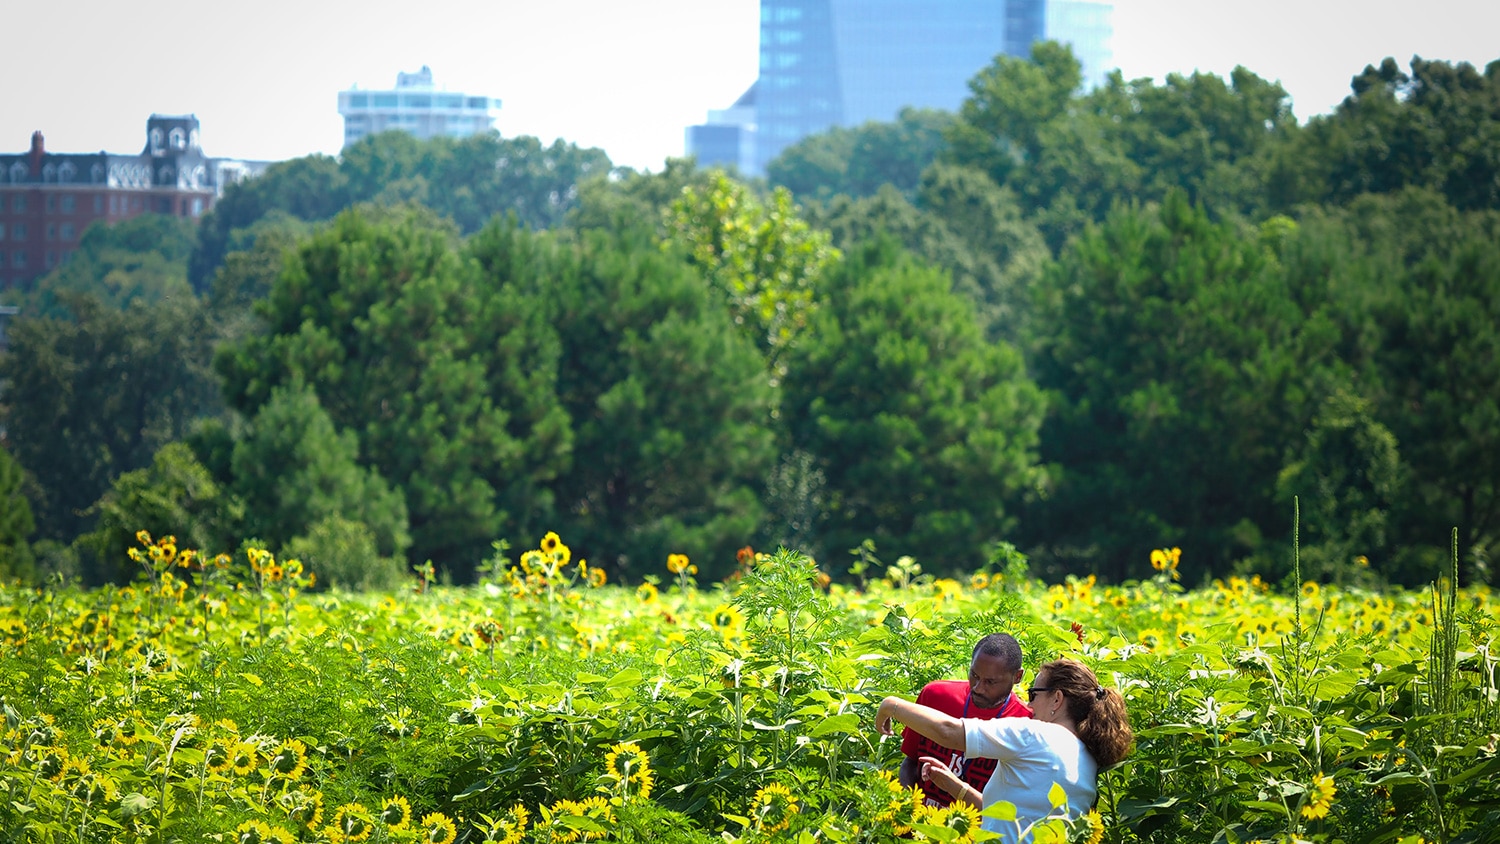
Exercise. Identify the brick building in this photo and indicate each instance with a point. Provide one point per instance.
(47, 199)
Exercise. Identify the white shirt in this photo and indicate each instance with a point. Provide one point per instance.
(1030, 756)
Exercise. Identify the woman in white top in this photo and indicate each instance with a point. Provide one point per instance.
(1076, 728)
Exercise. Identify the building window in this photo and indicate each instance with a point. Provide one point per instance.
(2, 231)
(197, 206)
(98, 204)
(51, 231)
(18, 231)
(51, 202)
(18, 202)
(178, 139)
(69, 204)
(65, 231)
(49, 172)
(18, 260)
(18, 172)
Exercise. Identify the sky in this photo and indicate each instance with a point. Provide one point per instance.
(627, 76)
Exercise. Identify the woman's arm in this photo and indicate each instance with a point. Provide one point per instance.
(938, 726)
(935, 771)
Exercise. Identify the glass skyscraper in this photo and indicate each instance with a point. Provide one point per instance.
(827, 63)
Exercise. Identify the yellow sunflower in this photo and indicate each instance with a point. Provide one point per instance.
(395, 812)
(1319, 797)
(510, 827)
(630, 766)
(303, 807)
(244, 757)
(351, 822)
(773, 808)
(646, 592)
(289, 760)
(437, 828)
(960, 817)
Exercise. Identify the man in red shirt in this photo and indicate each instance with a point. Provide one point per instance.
(994, 671)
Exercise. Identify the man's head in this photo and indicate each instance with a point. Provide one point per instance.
(994, 670)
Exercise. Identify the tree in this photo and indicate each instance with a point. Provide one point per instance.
(1181, 366)
(16, 523)
(442, 370)
(762, 259)
(143, 259)
(173, 496)
(925, 433)
(310, 188)
(98, 394)
(292, 469)
(669, 404)
(857, 162)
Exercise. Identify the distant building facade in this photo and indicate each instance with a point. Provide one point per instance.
(47, 199)
(728, 138)
(415, 106)
(826, 63)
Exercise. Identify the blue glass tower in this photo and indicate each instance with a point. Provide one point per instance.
(827, 63)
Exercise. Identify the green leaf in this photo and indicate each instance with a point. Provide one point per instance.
(1001, 810)
(845, 723)
(135, 803)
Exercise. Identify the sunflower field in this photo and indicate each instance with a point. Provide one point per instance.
(227, 699)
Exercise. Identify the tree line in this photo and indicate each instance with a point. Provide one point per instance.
(1078, 324)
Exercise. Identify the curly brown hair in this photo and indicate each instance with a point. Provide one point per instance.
(1103, 724)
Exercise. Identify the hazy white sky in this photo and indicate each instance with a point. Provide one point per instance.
(625, 75)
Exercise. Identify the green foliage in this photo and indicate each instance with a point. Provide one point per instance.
(762, 258)
(963, 223)
(96, 395)
(143, 259)
(926, 434)
(668, 402)
(174, 496)
(440, 366)
(857, 162)
(467, 180)
(16, 523)
(294, 471)
(1179, 362)
(345, 554)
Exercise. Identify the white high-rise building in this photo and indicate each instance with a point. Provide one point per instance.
(417, 107)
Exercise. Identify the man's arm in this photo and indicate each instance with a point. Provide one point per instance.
(938, 726)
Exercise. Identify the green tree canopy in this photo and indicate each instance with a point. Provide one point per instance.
(142, 259)
(925, 433)
(96, 394)
(442, 371)
(16, 523)
(669, 405)
(292, 469)
(857, 162)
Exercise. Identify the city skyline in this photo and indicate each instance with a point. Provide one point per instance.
(626, 78)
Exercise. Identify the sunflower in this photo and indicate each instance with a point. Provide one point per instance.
(510, 828)
(597, 809)
(630, 765)
(351, 822)
(560, 830)
(773, 808)
(437, 828)
(244, 757)
(960, 817)
(727, 619)
(395, 812)
(289, 760)
(1319, 797)
(252, 832)
(646, 592)
(220, 755)
(1096, 826)
(302, 807)
(94, 788)
(550, 542)
(677, 563)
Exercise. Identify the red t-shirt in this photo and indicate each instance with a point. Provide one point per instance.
(952, 697)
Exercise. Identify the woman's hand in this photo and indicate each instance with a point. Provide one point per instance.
(934, 771)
